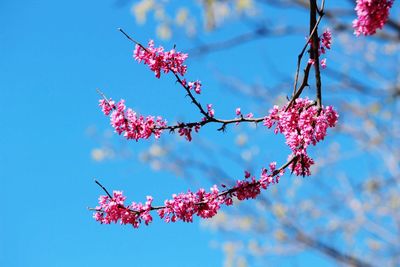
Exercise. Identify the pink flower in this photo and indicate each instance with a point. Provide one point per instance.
(238, 112)
(131, 125)
(114, 210)
(302, 124)
(159, 60)
(302, 165)
(106, 105)
(210, 110)
(196, 86)
(326, 40)
(247, 189)
(250, 115)
(323, 63)
(186, 131)
(371, 15)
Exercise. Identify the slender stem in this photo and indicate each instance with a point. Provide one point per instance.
(209, 120)
(302, 86)
(313, 32)
(189, 93)
(131, 39)
(102, 187)
(314, 53)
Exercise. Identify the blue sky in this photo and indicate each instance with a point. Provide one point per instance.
(54, 54)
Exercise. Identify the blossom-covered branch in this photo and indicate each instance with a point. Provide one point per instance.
(134, 126)
(302, 124)
(183, 206)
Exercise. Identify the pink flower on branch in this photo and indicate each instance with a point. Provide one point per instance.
(183, 206)
(210, 110)
(159, 60)
(196, 85)
(371, 15)
(302, 124)
(129, 124)
(238, 112)
(325, 41)
(112, 209)
(106, 106)
(186, 129)
(323, 63)
(126, 122)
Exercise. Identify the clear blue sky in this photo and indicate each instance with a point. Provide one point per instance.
(54, 54)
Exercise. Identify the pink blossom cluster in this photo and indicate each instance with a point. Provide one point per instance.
(186, 131)
(302, 124)
(106, 106)
(210, 110)
(325, 42)
(184, 206)
(249, 115)
(112, 210)
(196, 86)
(238, 112)
(371, 15)
(159, 60)
(128, 123)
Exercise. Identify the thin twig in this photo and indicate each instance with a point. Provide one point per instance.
(133, 40)
(313, 35)
(313, 29)
(185, 86)
(102, 187)
(314, 53)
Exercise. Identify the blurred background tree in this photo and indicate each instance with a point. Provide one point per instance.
(349, 209)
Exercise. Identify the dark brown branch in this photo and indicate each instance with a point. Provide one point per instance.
(313, 37)
(314, 53)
